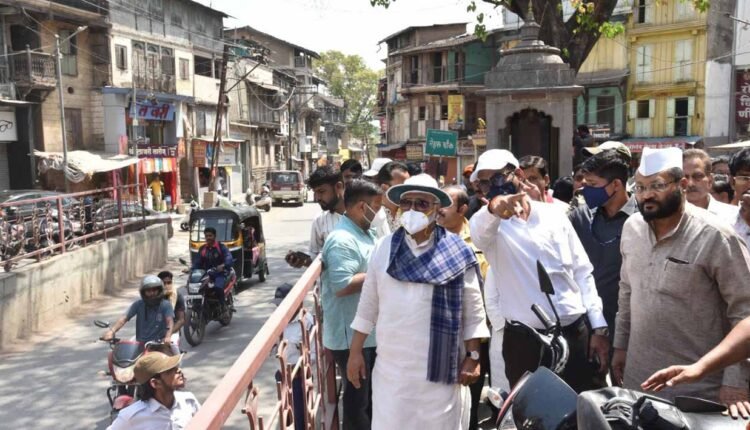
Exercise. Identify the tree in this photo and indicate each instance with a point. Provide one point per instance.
(350, 79)
(575, 36)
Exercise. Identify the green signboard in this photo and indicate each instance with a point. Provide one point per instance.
(441, 143)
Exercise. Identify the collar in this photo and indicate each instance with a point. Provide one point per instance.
(629, 208)
(414, 245)
(350, 225)
(466, 230)
(686, 213)
(712, 202)
(154, 405)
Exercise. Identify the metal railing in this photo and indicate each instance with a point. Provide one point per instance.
(319, 376)
(36, 228)
(33, 68)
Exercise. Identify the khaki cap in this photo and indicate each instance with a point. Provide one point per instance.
(154, 363)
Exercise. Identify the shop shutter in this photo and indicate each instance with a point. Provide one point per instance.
(4, 171)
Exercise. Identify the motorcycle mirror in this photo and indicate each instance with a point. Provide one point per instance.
(101, 324)
(182, 260)
(545, 283)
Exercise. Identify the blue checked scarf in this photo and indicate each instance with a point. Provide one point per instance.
(443, 266)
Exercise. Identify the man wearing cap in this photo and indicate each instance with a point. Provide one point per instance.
(377, 164)
(696, 164)
(345, 256)
(515, 232)
(422, 293)
(679, 293)
(163, 404)
(391, 174)
(599, 223)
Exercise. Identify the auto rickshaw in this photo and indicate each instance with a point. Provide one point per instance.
(241, 230)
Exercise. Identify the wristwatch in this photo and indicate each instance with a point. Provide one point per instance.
(602, 331)
(474, 355)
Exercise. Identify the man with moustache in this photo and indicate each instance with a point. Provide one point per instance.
(696, 164)
(678, 295)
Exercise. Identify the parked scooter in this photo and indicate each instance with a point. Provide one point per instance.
(542, 401)
(185, 221)
(123, 390)
(202, 306)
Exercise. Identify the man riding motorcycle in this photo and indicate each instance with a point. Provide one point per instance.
(155, 315)
(214, 255)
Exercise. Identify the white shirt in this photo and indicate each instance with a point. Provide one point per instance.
(293, 336)
(512, 248)
(722, 210)
(152, 415)
(326, 221)
(403, 398)
(742, 229)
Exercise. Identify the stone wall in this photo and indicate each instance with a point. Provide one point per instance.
(34, 296)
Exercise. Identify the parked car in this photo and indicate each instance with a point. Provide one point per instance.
(288, 185)
(107, 215)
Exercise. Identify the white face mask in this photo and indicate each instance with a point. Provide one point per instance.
(414, 221)
(379, 219)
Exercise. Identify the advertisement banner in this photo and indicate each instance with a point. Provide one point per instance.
(152, 151)
(8, 126)
(456, 112)
(743, 97)
(465, 147)
(155, 112)
(441, 143)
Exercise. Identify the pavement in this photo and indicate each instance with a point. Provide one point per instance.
(54, 379)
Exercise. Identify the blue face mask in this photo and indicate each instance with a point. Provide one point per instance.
(595, 196)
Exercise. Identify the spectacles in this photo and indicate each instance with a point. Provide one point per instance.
(656, 187)
(742, 178)
(418, 204)
(487, 183)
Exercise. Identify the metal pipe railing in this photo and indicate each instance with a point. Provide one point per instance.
(319, 384)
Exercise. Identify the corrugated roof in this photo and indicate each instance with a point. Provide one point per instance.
(416, 27)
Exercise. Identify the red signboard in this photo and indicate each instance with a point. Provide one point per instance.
(743, 97)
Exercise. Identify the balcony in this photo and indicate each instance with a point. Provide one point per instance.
(161, 83)
(33, 70)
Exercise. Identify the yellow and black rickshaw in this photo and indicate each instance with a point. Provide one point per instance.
(241, 230)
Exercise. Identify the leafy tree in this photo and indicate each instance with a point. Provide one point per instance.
(349, 78)
(575, 36)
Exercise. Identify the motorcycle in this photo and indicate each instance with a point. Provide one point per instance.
(202, 306)
(185, 221)
(541, 400)
(123, 390)
(262, 201)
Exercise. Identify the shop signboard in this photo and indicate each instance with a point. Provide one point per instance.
(441, 143)
(203, 153)
(8, 126)
(155, 151)
(456, 112)
(465, 147)
(743, 97)
(414, 152)
(155, 111)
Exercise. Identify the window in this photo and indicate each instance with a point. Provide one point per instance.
(184, 69)
(643, 109)
(202, 66)
(645, 11)
(121, 57)
(643, 63)
(444, 112)
(69, 51)
(74, 128)
(683, 58)
(684, 10)
(641, 112)
(679, 115)
(422, 113)
(200, 123)
(167, 61)
(605, 111)
(414, 75)
(437, 68)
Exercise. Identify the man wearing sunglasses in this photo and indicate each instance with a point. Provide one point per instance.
(515, 231)
(599, 224)
(162, 404)
(422, 294)
(679, 295)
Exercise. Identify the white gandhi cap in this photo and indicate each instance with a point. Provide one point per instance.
(493, 159)
(654, 160)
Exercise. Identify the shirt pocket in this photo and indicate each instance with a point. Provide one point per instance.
(676, 281)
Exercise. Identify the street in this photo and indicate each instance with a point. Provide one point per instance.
(55, 379)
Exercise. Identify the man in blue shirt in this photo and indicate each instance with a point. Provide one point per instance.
(345, 255)
(214, 255)
(155, 316)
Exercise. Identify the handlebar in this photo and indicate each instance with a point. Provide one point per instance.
(543, 317)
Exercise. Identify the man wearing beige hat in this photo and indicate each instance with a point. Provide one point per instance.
(678, 295)
(161, 406)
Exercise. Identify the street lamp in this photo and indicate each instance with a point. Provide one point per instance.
(58, 63)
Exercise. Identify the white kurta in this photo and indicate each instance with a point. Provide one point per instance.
(403, 398)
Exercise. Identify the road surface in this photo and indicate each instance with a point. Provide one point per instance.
(53, 380)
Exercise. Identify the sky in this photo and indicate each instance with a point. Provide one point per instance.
(350, 26)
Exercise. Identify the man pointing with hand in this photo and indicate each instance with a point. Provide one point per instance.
(514, 231)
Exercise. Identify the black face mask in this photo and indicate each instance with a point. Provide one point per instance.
(501, 185)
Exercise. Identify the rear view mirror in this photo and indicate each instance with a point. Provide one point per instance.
(101, 324)
(545, 283)
(182, 260)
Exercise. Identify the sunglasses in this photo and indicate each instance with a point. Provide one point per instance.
(418, 204)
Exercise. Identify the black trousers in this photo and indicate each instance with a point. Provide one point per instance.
(521, 354)
(476, 387)
(357, 402)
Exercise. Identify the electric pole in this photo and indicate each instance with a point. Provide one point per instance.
(220, 110)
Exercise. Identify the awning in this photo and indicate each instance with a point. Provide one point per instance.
(153, 165)
(83, 164)
(9, 102)
(731, 146)
(391, 147)
(636, 145)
